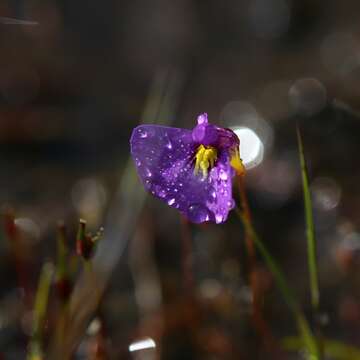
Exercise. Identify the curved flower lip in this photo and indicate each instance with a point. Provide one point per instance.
(164, 159)
(208, 134)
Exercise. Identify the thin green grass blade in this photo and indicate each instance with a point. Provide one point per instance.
(332, 348)
(42, 295)
(41, 301)
(302, 324)
(310, 230)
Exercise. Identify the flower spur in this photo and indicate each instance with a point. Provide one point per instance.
(191, 170)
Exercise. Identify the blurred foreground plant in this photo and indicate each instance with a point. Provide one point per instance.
(36, 347)
(64, 271)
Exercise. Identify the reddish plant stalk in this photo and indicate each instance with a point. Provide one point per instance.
(259, 322)
(186, 256)
(17, 253)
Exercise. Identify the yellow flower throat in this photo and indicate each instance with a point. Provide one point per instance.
(206, 156)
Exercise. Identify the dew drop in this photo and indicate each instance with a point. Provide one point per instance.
(148, 173)
(171, 201)
(202, 119)
(218, 218)
(198, 213)
(143, 134)
(223, 175)
(231, 204)
(159, 191)
(169, 145)
(137, 162)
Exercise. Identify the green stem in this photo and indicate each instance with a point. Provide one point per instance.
(310, 230)
(332, 348)
(259, 322)
(41, 301)
(303, 325)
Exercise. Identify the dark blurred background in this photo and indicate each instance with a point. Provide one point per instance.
(77, 78)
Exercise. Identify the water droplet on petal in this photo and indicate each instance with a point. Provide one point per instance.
(218, 218)
(143, 134)
(213, 194)
(202, 119)
(231, 204)
(223, 175)
(169, 145)
(159, 191)
(198, 213)
(171, 201)
(148, 173)
(137, 162)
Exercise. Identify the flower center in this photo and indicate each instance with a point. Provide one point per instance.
(205, 158)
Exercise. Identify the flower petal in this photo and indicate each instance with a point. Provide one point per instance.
(160, 153)
(221, 178)
(164, 159)
(202, 119)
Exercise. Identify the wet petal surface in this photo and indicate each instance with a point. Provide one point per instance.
(164, 158)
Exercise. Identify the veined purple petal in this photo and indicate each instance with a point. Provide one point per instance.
(164, 158)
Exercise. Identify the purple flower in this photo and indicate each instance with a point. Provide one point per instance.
(191, 170)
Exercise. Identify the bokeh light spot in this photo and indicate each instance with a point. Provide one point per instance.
(143, 344)
(251, 147)
(308, 96)
(326, 193)
(269, 18)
